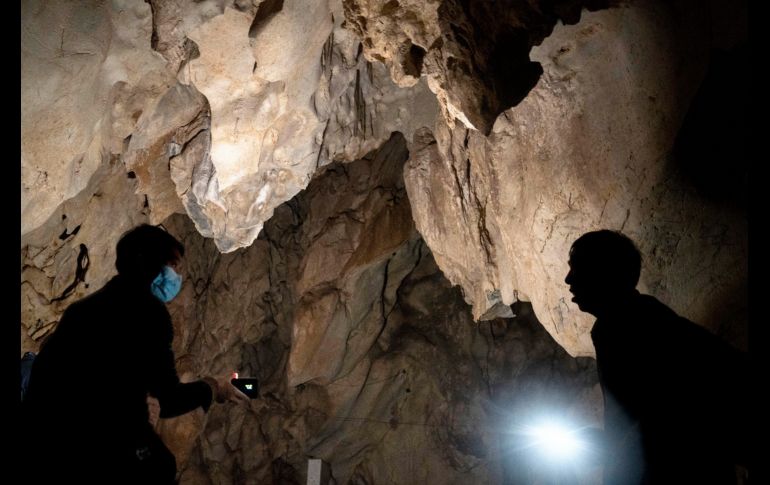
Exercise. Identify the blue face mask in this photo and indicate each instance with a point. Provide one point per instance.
(166, 285)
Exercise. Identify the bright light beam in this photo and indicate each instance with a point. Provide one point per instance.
(555, 441)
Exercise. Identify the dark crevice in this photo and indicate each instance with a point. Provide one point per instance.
(326, 54)
(491, 45)
(359, 128)
(265, 13)
(191, 51)
(80, 272)
(389, 8)
(513, 74)
(412, 62)
(154, 37)
(64, 236)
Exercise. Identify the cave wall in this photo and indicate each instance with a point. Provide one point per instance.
(223, 110)
(367, 355)
(383, 301)
(72, 254)
(527, 123)
(591, 147)
(87, 72)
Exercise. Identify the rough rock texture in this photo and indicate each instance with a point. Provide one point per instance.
(135, 111)
(270, 92)
(475, 55)
(168, 151)
(615, 87)
(300, 96)
(366, 354)
(392, 370)
(588, 148)
(87, 73)
(73, 253)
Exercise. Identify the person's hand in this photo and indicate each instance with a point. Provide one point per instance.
(230, 392)
(223, 390)
(153, 410)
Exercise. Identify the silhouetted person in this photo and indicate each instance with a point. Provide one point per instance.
(675, 394)
(87, 400)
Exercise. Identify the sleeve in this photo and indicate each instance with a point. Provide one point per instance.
(176, 398)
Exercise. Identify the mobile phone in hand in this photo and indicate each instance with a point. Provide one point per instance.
(247, 385)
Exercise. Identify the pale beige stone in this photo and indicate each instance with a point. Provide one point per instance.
(367, 356)
(78, 60)
(299, 97)
(588, 148)
(81, 233)
(264, 102)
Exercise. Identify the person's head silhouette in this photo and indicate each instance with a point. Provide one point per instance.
(604, 270)
(143, 252)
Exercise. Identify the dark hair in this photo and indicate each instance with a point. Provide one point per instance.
(144, 250)
(610, 254)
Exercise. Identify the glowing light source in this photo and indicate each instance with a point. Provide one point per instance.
(544, 446)
(557, 441)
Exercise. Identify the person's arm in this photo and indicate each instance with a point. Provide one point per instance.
(224, 390)
(176, 398)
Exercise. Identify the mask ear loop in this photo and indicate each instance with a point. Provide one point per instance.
(157, 285)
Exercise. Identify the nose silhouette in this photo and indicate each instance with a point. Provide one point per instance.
(568, 279)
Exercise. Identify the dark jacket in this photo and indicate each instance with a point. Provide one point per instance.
(86, 401)
(676, 387)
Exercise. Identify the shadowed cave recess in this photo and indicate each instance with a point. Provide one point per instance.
(377, 200)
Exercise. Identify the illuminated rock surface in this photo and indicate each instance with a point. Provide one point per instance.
(368, 198)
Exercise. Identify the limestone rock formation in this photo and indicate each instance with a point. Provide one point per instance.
(286, 94)
(475, 55)
(279, 140)
(297, 96)
(263, 99)
(416, 381)
(588, 148)
(73, 253)
(87, 74)
(366, 354)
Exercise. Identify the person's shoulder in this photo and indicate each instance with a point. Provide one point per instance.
(79, 307)
(648, 305)
(678, 325)
(96, 298)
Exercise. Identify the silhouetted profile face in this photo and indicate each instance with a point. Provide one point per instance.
(604, 269)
